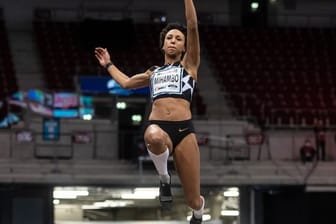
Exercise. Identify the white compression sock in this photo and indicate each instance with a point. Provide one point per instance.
(199, 213)
(160, 162)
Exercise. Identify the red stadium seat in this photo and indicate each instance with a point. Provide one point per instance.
(288, 69)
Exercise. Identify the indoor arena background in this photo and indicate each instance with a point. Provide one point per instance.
(71, 147)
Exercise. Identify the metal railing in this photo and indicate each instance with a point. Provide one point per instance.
(86, 145)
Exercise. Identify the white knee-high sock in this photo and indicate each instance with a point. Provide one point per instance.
(199, 213)
(160, 162)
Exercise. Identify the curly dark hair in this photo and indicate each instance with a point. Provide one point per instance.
(171, 26)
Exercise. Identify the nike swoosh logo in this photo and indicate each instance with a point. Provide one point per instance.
(182, 129)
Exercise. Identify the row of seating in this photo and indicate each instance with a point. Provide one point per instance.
(8, 80)
(268, 69)
(64, 56)
(278, 75)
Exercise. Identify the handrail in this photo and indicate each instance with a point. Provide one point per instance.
(29, 144)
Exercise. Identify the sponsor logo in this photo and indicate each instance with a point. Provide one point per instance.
(182, 129)
(172, 86)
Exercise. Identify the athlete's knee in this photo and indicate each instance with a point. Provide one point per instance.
(195, 202)
(154, 137)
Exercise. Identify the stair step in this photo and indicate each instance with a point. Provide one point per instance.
(26, 60)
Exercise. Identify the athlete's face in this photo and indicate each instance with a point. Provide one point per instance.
(174, 43)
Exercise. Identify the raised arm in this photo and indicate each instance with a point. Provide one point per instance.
(126, 82)
(192, 57)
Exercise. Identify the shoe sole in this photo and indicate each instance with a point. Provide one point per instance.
(166, 202)
(166, 205)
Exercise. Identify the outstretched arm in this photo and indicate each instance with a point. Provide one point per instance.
(192, 56)
(126, 82)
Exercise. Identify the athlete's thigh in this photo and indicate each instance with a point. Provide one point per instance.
(187, 163)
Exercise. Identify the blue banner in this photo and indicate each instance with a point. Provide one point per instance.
(51, 129)
(105, 84)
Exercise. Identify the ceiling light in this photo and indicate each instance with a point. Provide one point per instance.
(142, 193)
(69, 194)
(254, 6)
(121, 105)
(231, 192)
(113, 203)
(87, 117)
(230, 213)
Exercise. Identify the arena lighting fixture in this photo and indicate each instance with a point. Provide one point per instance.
(254, 6)
(109, 204)
(163, 19)
(231, 192)
(69, 194)
(87, 117)
(141, 193)
(121, 105)
(205, 217)
(230, 213)
(136, 119)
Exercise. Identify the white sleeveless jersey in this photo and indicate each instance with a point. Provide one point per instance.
(172, 81)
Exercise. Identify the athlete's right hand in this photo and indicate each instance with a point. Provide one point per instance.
(150, 71)
(102, 56)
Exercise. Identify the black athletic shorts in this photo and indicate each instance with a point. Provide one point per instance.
(176, 130)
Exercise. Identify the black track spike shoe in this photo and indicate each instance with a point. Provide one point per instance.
(194, 220)
(165, 197)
